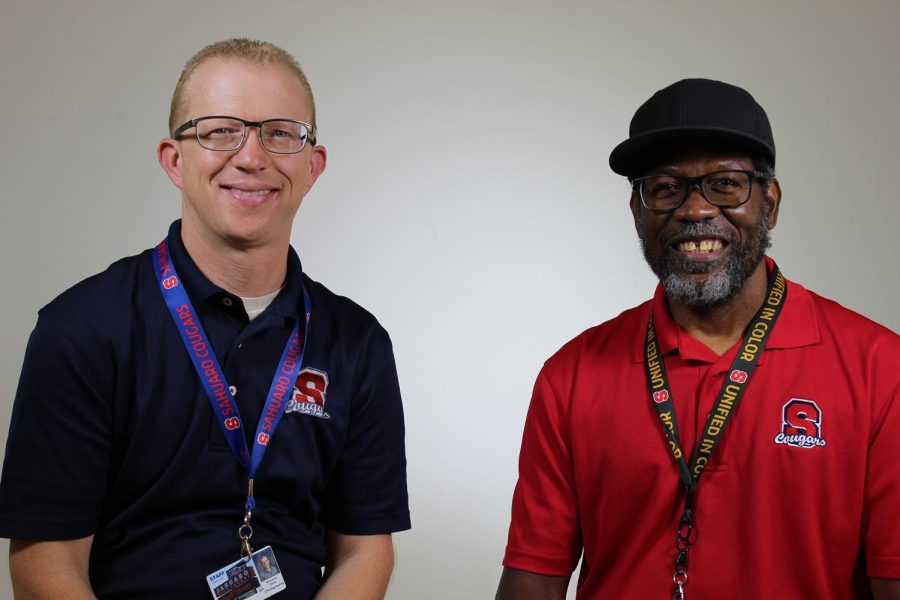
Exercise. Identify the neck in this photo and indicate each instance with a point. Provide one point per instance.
(246, 272)
(721, 327)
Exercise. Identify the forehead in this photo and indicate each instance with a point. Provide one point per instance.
(697, 157)
(239, 88)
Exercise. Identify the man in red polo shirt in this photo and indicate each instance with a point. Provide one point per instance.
(734, 437)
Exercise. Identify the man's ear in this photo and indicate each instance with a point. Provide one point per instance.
(316, 165)
(772, 201)
(168, 153)
(635, 204)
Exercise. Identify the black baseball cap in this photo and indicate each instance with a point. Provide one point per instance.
(694, 110)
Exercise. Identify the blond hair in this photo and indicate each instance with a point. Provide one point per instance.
(253, 51)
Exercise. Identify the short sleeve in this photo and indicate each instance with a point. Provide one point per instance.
(367, 491)
(544, 534)
(58, 450)
(881, 515)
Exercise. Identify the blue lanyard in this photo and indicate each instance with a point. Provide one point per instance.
(213, 379)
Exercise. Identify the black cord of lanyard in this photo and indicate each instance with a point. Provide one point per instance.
(726, 403)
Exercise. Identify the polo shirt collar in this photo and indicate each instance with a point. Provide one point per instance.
(288, 304)
(797, 326)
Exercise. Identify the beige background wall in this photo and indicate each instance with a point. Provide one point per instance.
(467, 200)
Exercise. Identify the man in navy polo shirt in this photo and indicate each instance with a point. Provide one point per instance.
(205, 402)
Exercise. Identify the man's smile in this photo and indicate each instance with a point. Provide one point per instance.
(702, 246)
(698, 243)
(250, 194)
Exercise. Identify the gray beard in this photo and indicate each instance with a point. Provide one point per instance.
(719, 288)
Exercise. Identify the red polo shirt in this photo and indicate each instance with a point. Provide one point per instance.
(800, 500)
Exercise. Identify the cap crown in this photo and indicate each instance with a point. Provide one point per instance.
(694, 110)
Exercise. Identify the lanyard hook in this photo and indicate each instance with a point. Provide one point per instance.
(245, 532)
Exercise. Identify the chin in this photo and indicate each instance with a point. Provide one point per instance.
(242, 237)
(714, 290)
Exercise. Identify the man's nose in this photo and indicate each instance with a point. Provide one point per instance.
(252, 154)
(695, 206)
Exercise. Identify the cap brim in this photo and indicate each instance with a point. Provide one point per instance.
(629, 157)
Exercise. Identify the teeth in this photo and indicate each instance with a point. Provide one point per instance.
(251, 193)
(704, 246)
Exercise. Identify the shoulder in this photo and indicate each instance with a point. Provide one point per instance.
(617, 337)
(92, 304)
(847, 326)
(86, 334)
(863, 351)
(341, 319)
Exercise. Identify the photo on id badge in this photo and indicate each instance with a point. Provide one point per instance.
(257, 578)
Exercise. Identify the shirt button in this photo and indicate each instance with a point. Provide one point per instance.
(227, 301)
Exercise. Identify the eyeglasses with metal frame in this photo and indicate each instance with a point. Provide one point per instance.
(725, 189)
(224, 134)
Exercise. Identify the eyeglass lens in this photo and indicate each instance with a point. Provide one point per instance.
(283, 137)
(722, 188)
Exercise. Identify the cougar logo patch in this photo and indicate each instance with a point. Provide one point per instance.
(801, 424)
(309, 394)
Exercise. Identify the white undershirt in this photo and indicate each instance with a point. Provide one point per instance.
(255, 306)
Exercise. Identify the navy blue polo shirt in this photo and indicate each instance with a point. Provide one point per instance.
(113, 435)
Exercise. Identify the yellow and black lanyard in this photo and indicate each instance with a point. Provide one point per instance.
(727, 401)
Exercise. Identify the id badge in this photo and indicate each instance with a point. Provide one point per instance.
(257, 578)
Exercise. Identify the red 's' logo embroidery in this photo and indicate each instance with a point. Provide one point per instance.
(738, 376)
(660, 396)
(309, 395)
(801, 424)
(170, 282)
(263, 439)
(232, 423)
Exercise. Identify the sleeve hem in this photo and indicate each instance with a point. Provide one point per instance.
(542, 565)
(35, 530)
(883, 568)
(370, 525)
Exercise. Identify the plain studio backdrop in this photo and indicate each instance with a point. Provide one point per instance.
(467, 201)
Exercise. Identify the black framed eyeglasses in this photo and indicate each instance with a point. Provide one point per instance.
(727, 189)
(223, 134)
